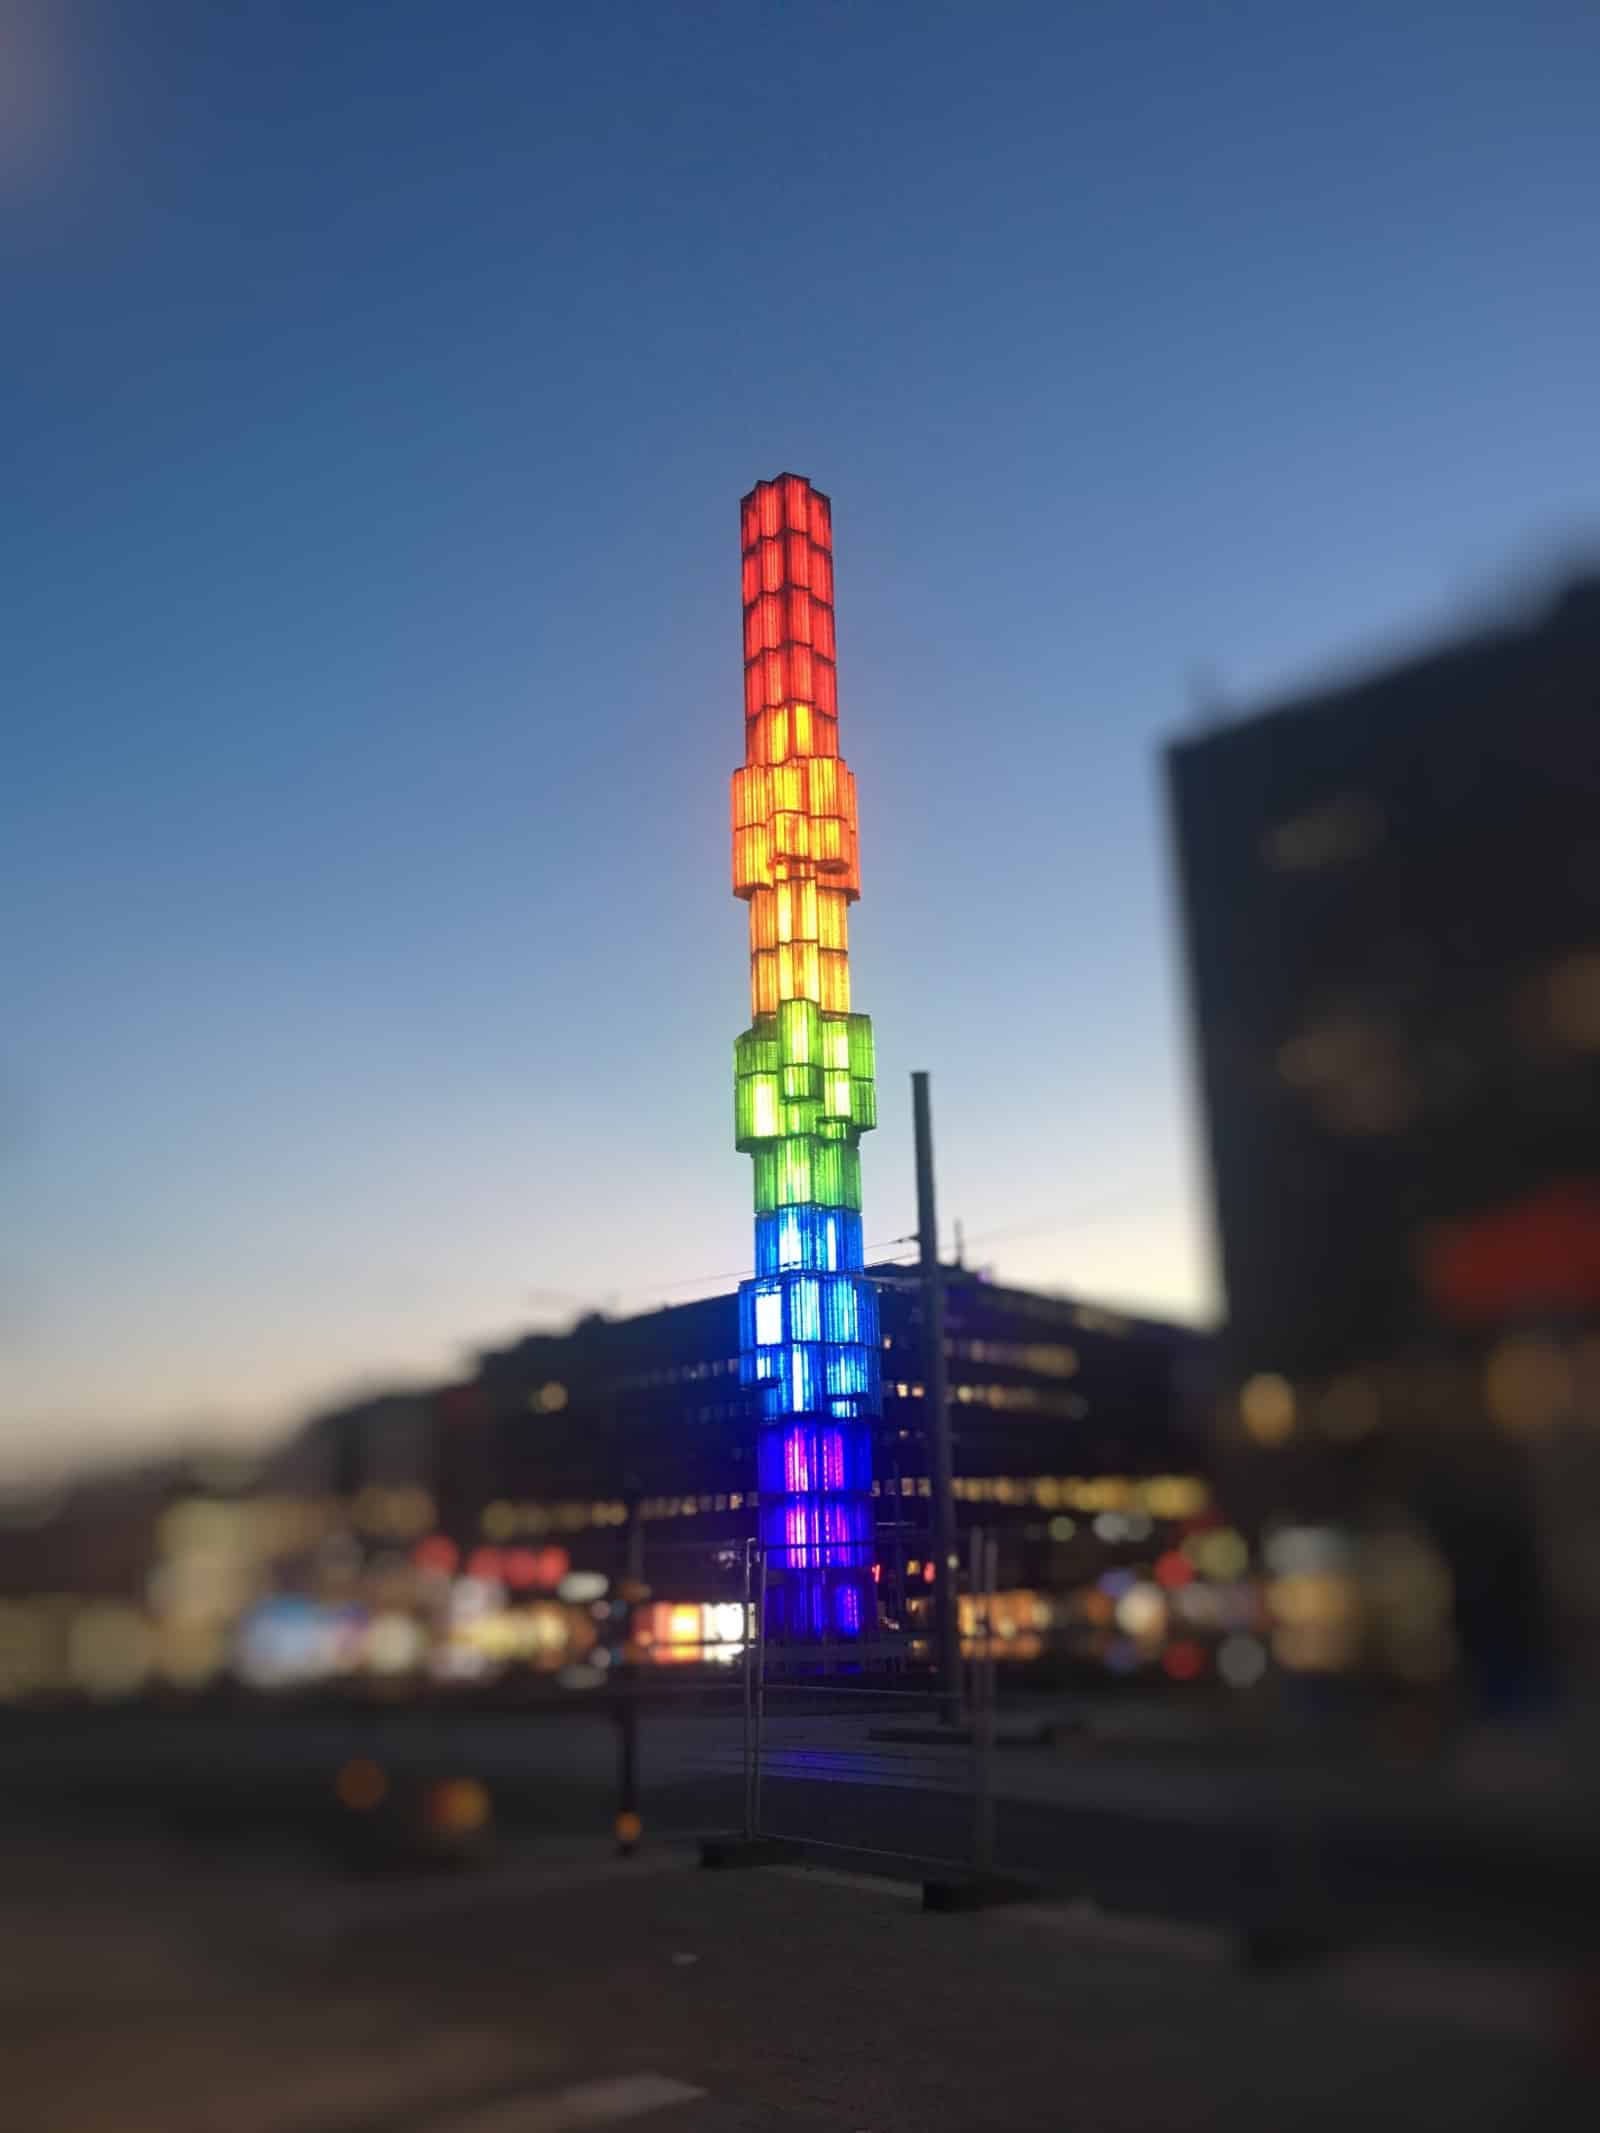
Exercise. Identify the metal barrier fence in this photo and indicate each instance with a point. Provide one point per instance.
(839, 1754)
(852, 1746)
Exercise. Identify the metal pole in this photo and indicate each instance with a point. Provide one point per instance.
(937, 1408)
(630, 1824)
(761, 1698)
(635, 1570)
(969, 1671)
(749, 1645)
(898, 1545)
(972, 1680)
(983, 1717)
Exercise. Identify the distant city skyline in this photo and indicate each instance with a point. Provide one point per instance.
(384, 393)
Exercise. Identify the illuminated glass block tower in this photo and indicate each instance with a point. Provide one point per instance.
(803, 1084)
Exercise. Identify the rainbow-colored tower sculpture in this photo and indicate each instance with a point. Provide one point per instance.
(803, 1082)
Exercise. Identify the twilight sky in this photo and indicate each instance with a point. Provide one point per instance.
(378, 387)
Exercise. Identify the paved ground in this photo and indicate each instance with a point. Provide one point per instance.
(148, 1988)
(1196, 1827)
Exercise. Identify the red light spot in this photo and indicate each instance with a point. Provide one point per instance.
(877, 1572)
(1173, 1570)
(484, 1563)
(927, 1573)
(1183, 1661)
(519, 1567)
(1540, 1255)
(436, 1553)
(554, 1563)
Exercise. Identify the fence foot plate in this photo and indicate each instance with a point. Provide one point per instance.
(749, 1851)
(979, 1893)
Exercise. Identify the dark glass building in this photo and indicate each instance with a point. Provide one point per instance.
(1391, 899)
(636, 1433)
(1391, 902)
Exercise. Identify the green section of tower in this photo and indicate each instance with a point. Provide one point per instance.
(802, 1073)
(804, 1170)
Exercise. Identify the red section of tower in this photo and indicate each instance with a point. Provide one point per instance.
(795, 852)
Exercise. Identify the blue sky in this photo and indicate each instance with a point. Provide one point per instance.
(379, 388)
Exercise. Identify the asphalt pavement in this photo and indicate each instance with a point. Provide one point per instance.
(1129, 1811)
(155, 1987)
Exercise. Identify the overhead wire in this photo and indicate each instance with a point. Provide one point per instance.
(884, 1253)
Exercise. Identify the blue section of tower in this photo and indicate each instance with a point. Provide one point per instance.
(810, 1347)
(809, 1343)
(825, 1239)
